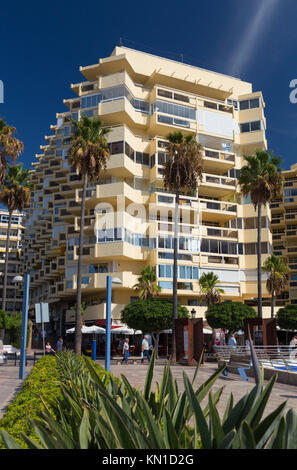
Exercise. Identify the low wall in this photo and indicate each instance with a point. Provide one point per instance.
(283, 376)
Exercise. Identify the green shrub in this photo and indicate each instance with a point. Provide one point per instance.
(12, 324)
(41, 384)
(229, 315)
(286, 317)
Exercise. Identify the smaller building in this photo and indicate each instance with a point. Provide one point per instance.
(13, 293)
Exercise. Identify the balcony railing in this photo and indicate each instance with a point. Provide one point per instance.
(222, 233)
(219, 180)
(219, 206)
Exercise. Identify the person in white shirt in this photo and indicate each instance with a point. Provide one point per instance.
(145, 350)
(125, 351)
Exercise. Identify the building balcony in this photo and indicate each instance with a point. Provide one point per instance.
(121, 111)
(163, 124)
(215, 160)
(217, 210)
(114, 250)
(219, 185)
(218, 232)
(98, 281)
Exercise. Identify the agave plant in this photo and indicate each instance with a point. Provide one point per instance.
(101, 412)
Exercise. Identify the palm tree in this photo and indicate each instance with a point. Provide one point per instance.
(146, 285)
(88, 154)
(208, 283)
(15, 194)
(261, 179)
(183, 170)
(278, 277)
(10, 147)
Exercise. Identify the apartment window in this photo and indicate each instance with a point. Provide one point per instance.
(251, 126)
(91, 101)
(249, 104)
(233, 103)
(180, 97)
(180, 256)
(173, 121)
(174, 109)
(116, 147)
(162, 144)
(164, 93)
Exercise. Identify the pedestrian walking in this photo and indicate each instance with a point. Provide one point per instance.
(125, 351)
(59, 344)
(145, 350)
(232, 342)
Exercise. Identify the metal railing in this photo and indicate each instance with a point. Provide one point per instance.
(277, 357)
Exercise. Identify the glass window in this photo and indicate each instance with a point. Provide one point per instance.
(117, 147)
(254, 103)
(179, 97)
(165, 93)
(245, 127)
(244, 104)
(255, 126)
(182, 272)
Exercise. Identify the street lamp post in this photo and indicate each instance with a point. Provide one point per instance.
(109, 281)
(26, 281)
(193, 312)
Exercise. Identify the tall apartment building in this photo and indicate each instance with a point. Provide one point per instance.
(13, 294)
(129, 220)
(284, 231)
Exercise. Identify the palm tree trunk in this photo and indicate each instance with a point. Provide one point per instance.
(6, 262)
(78, 334)
(175, 254)
(272, 303)
(259, 252)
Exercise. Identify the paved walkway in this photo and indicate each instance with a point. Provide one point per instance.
(233, 383)
(10, 384)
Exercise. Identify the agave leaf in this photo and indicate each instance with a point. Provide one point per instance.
(197, 369)
(228, 440)
(93, 372)
(84, 433)
(31, 443)
(228, 408)
(266, 428)
(200, 421)
(103, 432)
(291, 429)
(216, 430)
(215, 398)
(154, 433)
(235, 416)
(9, 442)
(149, 377)
(173, 395)
(57, 430)
(171, 438)
(245, 437)
(278, 439)
(130, 431)
(256, 412)
(179, 417)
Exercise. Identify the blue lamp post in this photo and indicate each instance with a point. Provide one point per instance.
(109, 281)
(26, 280)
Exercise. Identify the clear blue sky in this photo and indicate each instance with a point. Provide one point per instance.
(44, 43)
